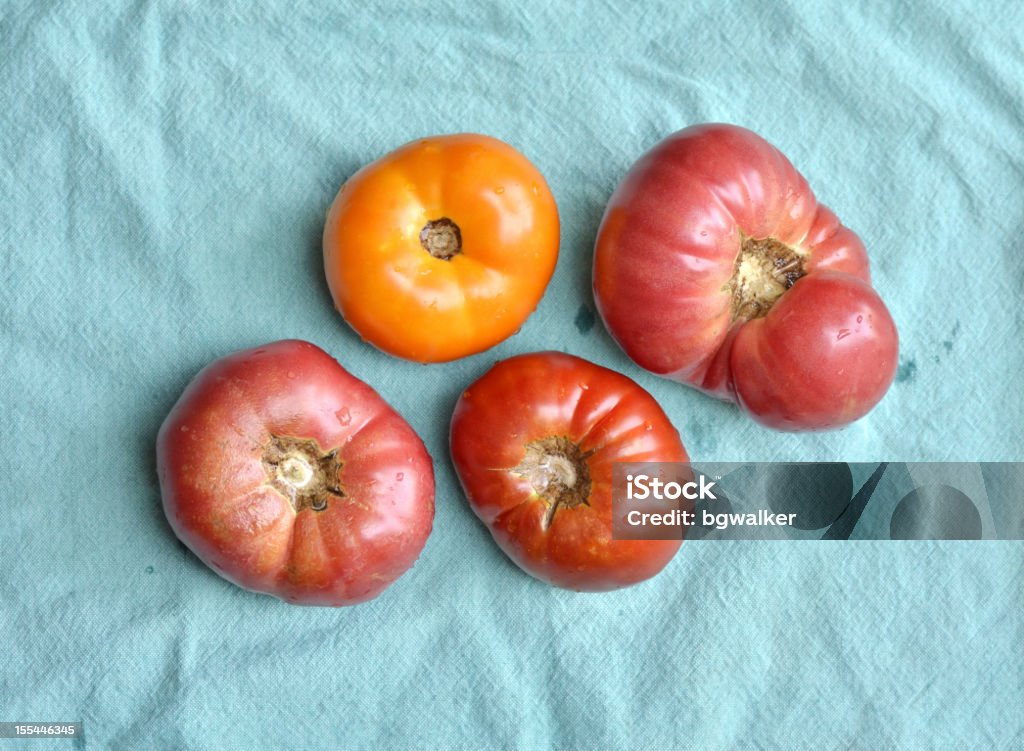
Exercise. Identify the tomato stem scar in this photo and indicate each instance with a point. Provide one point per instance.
(302, 472)
(558, 472)
(442, 238)
(765, 269)
(295, 471)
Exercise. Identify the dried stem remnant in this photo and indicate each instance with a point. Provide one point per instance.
(300, 470)
(558, 472)
(442, 238)
(765, 269)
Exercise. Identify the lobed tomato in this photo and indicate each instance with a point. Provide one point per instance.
(533, 442)
(716, 266)
(289, 476)
(442, 248)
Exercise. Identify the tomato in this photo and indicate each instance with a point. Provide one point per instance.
(289, 476)
(716, 266)
(442, 248)
(533, 442)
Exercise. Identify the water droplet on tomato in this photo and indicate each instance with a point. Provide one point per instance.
(584, 386)
(534, 189)
(291, 374)
(400, 476)
(648, 427)
(499, 190)
(184, 428)
(860, 319)
(843, 333)
(344, 416)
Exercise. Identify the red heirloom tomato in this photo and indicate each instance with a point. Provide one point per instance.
(716, 266)
(441, 248)
(534, 441)
(287, 475)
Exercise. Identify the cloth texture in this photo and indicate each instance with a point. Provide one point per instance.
(166, 169)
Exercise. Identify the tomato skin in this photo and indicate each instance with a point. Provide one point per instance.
(667, 250)
(414, 305)
(532, 397)
(826, 320)
(220, 497)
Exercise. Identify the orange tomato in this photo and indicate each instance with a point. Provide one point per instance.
(441, 248)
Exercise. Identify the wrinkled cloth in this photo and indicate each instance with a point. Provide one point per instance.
(166, 168)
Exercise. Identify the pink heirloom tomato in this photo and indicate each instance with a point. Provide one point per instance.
(716, 266)
(287, 475)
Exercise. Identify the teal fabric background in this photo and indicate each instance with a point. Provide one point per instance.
(166, 168)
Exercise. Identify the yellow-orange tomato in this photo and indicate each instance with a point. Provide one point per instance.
(442, 248)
